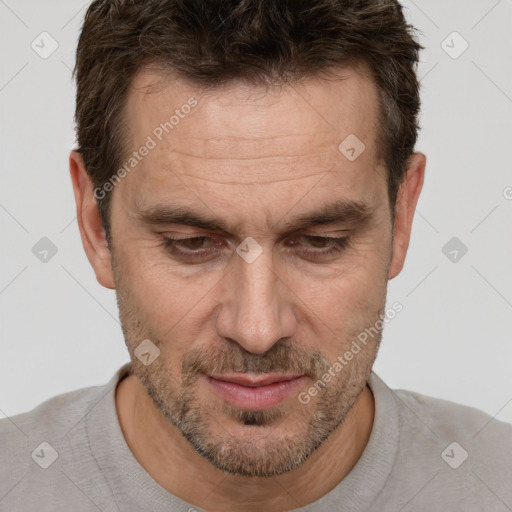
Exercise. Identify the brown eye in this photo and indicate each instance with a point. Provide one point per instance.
(193, 243)
(319, 242)
(333, 245)
(203, 247)
(189, 248)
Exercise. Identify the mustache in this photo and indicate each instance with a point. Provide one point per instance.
(281, 358)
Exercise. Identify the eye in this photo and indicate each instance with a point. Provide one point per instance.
(194, 247)
(320, 243)
(201, 247)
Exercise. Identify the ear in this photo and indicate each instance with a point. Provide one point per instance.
(407, 199)
(89, 222)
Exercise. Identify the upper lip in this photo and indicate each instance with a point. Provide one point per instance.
(254, 381)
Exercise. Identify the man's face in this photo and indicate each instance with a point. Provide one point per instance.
(256, 162)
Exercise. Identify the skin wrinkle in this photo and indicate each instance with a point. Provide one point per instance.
(226, 149)
(216, 182)
(282, 312)
(347, 213)
(232, 454)
(258, 159)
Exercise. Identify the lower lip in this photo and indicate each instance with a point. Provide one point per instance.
(257, 398)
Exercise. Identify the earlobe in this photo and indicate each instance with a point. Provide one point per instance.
(407, 200)
(89, 222)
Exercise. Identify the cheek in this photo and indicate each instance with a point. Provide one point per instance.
(332, 301)
(345, 304)
(170, 305)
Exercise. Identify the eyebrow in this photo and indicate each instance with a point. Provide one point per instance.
(341, 211)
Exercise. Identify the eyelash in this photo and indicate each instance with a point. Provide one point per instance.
(336, 246)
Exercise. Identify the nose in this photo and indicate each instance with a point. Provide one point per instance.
(256, 311)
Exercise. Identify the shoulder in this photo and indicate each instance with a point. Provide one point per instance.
(54, 423)
(448, 455)
(43, 449)
(451, 419)
(42, 434)
(56, 415)
(59, 414)
(466, 451)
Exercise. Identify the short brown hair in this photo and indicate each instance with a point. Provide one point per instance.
(213, 42)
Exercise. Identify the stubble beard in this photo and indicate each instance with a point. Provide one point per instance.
(271, 442)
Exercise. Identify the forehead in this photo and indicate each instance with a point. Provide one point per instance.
(244, 135)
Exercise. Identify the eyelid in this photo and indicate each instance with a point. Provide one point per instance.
(333, 234)
(337, 245)
(186, 236)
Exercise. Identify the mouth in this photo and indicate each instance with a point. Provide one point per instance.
(255, 392)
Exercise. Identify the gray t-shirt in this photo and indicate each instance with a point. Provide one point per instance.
(424, 454)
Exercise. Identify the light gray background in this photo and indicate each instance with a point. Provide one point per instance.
(60, 328)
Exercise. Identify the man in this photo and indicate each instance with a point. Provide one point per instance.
(246, 180)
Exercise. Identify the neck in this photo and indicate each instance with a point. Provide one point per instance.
(175, 465)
